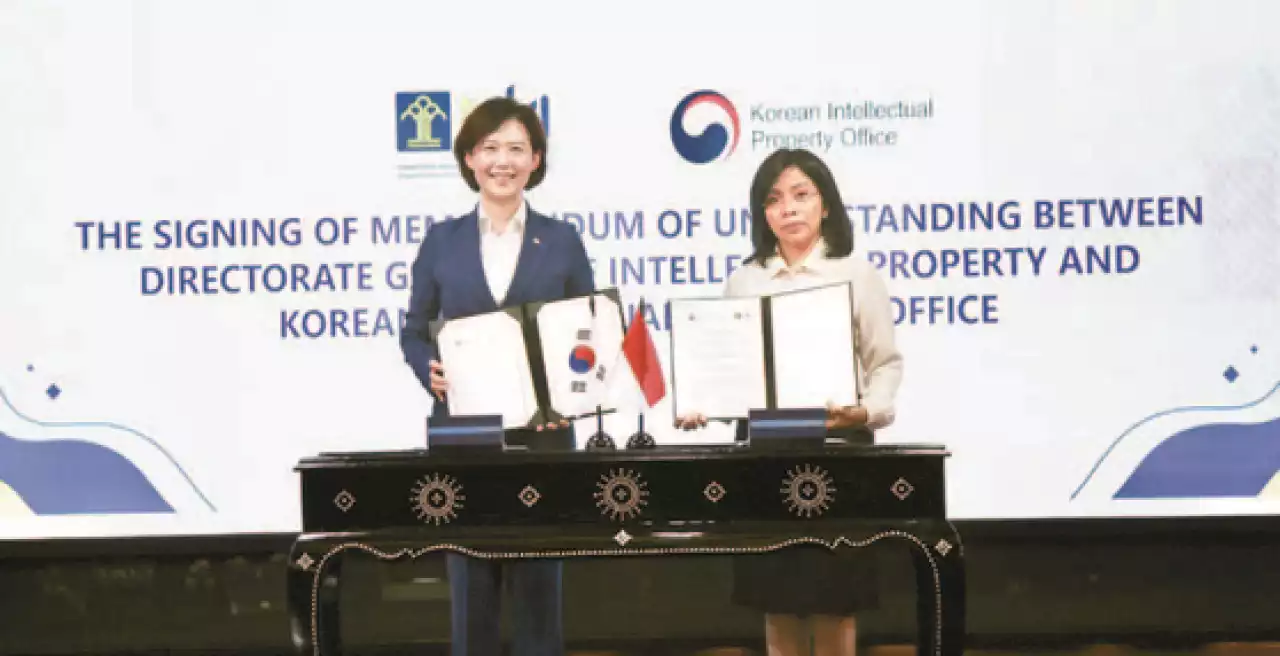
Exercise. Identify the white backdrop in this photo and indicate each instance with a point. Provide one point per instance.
(1146, 392)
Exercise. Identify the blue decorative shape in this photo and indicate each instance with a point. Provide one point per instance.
(1231, 374)
(1253, 349)
(71, 477)
(54, 391)
(1216, 460)
(31, 367)
(4, 398)
(1163, 413)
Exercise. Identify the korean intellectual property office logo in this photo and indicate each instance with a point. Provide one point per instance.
(425, 121)
(717, 140)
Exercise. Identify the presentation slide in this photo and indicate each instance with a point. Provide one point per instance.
(208, 213)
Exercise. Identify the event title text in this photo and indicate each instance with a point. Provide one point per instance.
(939, 236)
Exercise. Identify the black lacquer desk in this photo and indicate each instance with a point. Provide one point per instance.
(680, 501)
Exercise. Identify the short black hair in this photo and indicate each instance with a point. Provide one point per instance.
(835, 229)
(484, 120)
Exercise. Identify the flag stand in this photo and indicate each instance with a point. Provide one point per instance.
(601, 441)
(640, 439)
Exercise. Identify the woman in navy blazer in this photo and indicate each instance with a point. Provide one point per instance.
(500, 254)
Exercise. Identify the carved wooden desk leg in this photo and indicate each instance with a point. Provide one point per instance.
(314, 594)
(952, 576)
(940, 594)
(299, 580)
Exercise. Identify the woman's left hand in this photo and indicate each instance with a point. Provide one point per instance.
(551, 425)
(845, 416)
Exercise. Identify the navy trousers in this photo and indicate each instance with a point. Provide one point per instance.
(535, 603)
(534, 587)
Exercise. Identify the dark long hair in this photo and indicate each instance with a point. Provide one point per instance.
(835, 228)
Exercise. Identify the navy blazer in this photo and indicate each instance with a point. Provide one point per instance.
(449, 281)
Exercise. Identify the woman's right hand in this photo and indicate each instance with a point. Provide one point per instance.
(691, 421)
(438, 383)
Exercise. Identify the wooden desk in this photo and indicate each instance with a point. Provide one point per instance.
(667, 501)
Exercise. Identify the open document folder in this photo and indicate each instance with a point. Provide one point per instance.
(534, 363)
(786, 350)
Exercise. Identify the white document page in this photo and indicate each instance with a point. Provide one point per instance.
(717, 356)
(487, 368)
(813, 353)
(578, 350)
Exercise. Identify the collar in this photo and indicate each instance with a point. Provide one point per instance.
(814, 262)
(518, 220)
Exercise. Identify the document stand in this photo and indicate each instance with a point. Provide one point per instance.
(791, 428)
(466, 433)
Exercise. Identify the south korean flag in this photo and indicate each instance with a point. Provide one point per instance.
(580, 345)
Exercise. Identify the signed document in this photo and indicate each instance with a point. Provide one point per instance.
(788, 350)
(813, 347)
(488, 371)
(718, 357)
(535, 363)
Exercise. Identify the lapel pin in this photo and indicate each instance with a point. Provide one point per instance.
(537, 241)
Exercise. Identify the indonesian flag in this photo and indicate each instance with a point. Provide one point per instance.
(641, 358)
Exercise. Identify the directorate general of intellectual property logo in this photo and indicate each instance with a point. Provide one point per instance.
(425, 121)
(717, 140)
